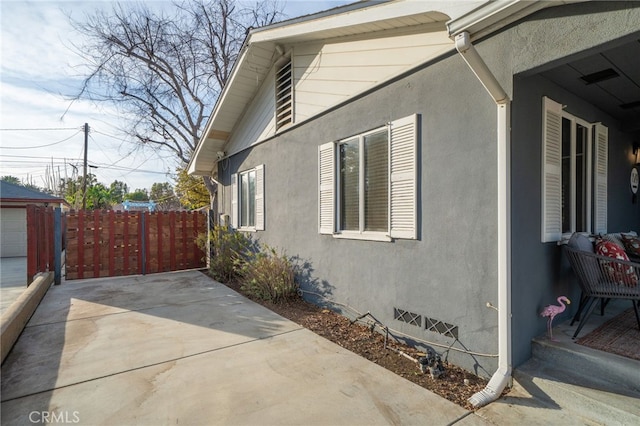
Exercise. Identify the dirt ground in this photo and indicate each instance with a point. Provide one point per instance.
(456, 384)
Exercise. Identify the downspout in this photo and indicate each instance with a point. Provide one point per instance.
(502, 376)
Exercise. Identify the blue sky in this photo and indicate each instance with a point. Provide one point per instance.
(38, 67)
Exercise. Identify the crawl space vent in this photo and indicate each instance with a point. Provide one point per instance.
(441, 327)
(408, 317)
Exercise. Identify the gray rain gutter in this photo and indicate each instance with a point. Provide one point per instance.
(502, 376)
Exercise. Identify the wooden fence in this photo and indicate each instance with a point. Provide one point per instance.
(40, 240)
(109, 243)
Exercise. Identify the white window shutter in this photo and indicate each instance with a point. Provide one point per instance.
(234, 200)
(600, 178)
(260, 197)
(326, 188)
(403, 168)
(551, 170)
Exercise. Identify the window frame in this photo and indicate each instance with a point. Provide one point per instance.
(573, 157)
(244, 210)
(258, 200)
(361, 232)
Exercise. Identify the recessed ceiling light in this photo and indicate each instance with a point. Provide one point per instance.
(599, 76)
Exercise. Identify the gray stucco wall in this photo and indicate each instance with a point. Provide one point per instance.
(451, 271)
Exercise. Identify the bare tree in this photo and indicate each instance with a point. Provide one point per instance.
(164, 68)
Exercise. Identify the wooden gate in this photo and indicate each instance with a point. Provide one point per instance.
(40, 240)
(109, 243)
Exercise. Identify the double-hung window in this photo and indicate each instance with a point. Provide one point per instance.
(368, 183)
(574, 174)
(363, 186)
(247, 199)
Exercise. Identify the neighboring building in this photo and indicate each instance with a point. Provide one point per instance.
(427, 157)
(13, 216)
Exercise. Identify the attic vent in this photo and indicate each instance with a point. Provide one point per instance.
(599, 76)
(630, 105)
(408, 317)
(284, 95)
(441, 327)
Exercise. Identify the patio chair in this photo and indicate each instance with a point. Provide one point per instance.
(603, 278)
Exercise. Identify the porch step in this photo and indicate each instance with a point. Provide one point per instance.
(592, 385)
(593, 366)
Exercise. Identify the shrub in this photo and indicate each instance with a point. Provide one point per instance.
(267, 275)
(229, 251)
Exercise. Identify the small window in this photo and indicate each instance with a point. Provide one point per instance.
(247, 205)
(284, 95)
(247, 199)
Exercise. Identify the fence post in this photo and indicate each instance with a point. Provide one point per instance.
(57, 245)
(81, 243)
(32, 243)
(209, 248)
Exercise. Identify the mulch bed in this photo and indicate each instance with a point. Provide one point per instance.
(456, 385)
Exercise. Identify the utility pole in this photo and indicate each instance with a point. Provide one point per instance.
(84, 180)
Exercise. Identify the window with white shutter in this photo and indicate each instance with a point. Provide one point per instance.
(247, 199)
(234, 200)
(551, 171)
(368, 184)
(326, 188)
(573, 185)
(403, 178)
(600, 178)
(259, 201)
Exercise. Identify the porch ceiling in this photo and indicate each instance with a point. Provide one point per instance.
(609, 79)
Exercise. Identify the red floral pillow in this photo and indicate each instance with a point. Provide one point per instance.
(631, 244)
(621, 274)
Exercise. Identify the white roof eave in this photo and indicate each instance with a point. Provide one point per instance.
(495, 15)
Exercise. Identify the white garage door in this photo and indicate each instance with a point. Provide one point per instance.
(13, 232)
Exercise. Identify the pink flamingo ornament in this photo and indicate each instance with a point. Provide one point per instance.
(551, 311)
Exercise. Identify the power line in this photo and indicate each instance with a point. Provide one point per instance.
(40, 163)
(39, 129)
(35, 162)
(41, 146)
(129, 169)
(108, 135)
(41, 156)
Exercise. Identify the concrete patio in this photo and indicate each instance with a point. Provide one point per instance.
(180, 348)
(13, 280)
